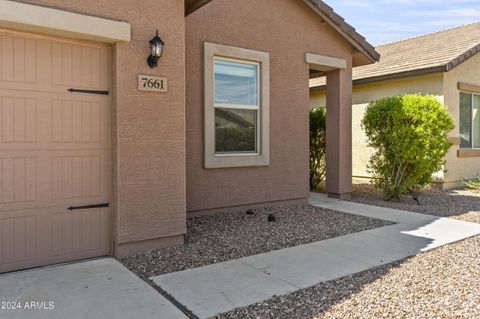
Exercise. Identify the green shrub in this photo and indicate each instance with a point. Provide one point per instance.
(317, 147)
(473, 184)
(235, 139)
(408, 134)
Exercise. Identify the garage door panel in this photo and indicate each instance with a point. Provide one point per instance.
(31, 123)
(78, 231)
(18, 239)
(77, 121)
(79, 66)
(54, 151)
(18, 59)
(78, 177)
(53, 178)
(18, 119)
(18, 180)
(66, 63)
(26, 117)
(29, 238)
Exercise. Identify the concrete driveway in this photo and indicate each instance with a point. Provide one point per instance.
(101, 288)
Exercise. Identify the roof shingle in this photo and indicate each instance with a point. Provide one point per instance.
(434, 52)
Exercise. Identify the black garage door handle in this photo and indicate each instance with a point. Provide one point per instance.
(88, 91)
(88, 206)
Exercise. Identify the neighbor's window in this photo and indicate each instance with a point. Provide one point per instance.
(236, 107)
(469, 120)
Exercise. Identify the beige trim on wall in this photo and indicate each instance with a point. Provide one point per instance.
(38, 19)
(455, 140)
(324, 63)
(468, 87)
(262, 157)
(468, 152)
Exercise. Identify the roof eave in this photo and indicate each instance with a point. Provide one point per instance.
(394, 76)
(327, 14)
(360, 43)
(193, 5)
(463, 57)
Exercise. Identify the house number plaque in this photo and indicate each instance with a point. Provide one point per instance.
(152, 83)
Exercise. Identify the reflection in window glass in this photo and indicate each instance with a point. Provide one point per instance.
(235, 130)
(465, 126)
(476, 121)
(236, 83)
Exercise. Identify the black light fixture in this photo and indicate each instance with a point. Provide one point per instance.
(156, 50)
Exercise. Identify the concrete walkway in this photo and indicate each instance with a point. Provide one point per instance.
(210, 290)
(99, 289)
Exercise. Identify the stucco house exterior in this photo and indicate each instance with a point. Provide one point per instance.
(106, 152)
(445, 64)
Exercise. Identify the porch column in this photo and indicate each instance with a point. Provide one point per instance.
(339, 133)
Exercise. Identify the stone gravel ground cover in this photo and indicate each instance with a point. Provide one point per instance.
(442, 283)
(231, 235)
(460, 204)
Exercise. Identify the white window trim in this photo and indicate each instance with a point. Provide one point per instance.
(471, 122)
(262, 157)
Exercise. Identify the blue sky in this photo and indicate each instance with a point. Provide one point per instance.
(382, 21)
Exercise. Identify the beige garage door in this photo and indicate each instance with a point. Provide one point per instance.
(54, 150)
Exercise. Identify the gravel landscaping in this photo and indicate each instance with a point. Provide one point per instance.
(231, 235)
(460, 204)
(442, 283)
(438, 284)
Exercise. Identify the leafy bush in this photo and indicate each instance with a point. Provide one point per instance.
(318, 147)
(409, 136)
(473, 184)
(235, 139)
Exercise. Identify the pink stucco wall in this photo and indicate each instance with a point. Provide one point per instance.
(287, 30)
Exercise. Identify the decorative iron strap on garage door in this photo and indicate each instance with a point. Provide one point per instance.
(103, 205)
(88, 91)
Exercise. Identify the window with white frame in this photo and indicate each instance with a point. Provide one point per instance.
(237, 110)
(236, 102)
(469, 125)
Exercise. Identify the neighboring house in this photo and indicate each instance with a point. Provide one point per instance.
(444, 64)
(226, 129)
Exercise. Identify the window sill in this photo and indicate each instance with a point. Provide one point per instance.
(468, 152)
(240, 160)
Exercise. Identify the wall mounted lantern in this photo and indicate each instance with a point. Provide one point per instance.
(156, 50)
